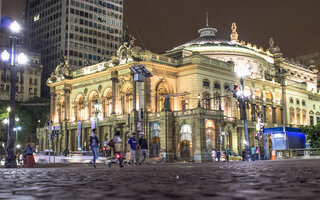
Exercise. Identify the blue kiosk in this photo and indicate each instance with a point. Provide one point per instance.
(292, 138)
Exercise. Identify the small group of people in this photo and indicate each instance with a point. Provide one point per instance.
(116, 144)
(253, 153)
(218, 155)
(26, 158)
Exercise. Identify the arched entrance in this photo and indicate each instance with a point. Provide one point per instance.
(210, 134)
(185, 145)
(154, 139)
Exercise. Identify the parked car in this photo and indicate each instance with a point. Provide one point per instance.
(43, 157)
(83, 157)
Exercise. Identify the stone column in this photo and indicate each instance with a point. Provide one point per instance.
(167, 133)
(264, 113)
(253, 112)
(134, 95)
(52, 103)
(67, 104)
(200, 151)
(70, 141)
(281, 109)
(114, 79)
(274, 117)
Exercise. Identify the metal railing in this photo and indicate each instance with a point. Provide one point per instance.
(289, 153)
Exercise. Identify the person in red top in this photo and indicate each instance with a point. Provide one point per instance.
(256, 152)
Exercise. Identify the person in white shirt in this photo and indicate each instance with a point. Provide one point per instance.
(213, 155)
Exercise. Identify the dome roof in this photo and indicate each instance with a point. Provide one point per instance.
(208, 38)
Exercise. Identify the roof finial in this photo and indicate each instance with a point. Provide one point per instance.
(207, 20)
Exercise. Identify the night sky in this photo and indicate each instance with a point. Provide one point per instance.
(163, 24)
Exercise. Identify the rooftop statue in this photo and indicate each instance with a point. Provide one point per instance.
(62, 70)
(124, 53)
(234, 34)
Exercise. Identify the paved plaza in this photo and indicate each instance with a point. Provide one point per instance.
(287, 179)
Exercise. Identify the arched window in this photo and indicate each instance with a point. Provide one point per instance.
(93, 99)
(217, 101)
(227, 107)
(154, 139)
(185, 144)
(210, 134)
(206, 83)
(291, 100)
(278, 98)
(127, 100)
(217, 86)
(304, 117)
(292, 118)
(206, 100)
(107, 102)
(79, 108)
(268, 96)
(257, 94)
(61, 109)
(185, 133)
(298, 116)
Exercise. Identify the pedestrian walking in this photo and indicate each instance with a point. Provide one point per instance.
(213, 155)
(117, 143)
(94, 143)
(244, 154)
(256, 151)
(227, 154)
(29, 156)
(164, 157)
(218, 155)
(253, 156)
(133, 145)
(143, 148)
(21, 159)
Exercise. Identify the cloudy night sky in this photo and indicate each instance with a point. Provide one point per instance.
(160, 25)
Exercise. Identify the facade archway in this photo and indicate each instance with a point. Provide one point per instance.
(61, 108)
(93, 99)
(206, 101)
(257, 94)
(185, 143)
(79, 108)
(210, 134)
(292, 116)
(161, 91)
(154, 139)
(268, 96)
(107, 103)
(278, 98)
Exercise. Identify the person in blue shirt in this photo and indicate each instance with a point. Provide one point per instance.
(94, 143)
(133, 145)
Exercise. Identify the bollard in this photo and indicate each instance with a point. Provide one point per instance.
(273, 154)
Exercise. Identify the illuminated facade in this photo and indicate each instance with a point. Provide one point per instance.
(198, 79)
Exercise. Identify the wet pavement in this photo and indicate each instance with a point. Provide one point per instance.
(285, 179)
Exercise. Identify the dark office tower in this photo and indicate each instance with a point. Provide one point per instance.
(84, 31)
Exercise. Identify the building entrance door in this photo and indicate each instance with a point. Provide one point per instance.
(185, 150)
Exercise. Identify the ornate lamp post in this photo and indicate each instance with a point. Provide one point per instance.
(243, 98)
(21, 59)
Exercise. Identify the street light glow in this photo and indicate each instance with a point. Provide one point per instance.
(15, 27)
(19, 128)
(17, 119)
(5, 56)
(8, 109)
(18, 146)
(22, 59)
(5, 121)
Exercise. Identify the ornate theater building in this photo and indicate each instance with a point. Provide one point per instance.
(187, 105)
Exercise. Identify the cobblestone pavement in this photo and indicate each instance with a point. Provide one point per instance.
(287, 179)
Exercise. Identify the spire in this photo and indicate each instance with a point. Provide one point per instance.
(207, 25)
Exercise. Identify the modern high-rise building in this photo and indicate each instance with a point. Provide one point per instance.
(84, 31)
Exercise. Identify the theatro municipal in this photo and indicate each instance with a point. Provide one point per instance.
(187, 105)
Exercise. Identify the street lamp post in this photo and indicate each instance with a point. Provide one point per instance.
(243, 97)
(5, 56)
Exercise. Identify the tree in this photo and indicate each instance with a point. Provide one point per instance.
(313, 135)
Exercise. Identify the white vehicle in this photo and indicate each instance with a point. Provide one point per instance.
(43, 158)
(84, 157)
(3, 161)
